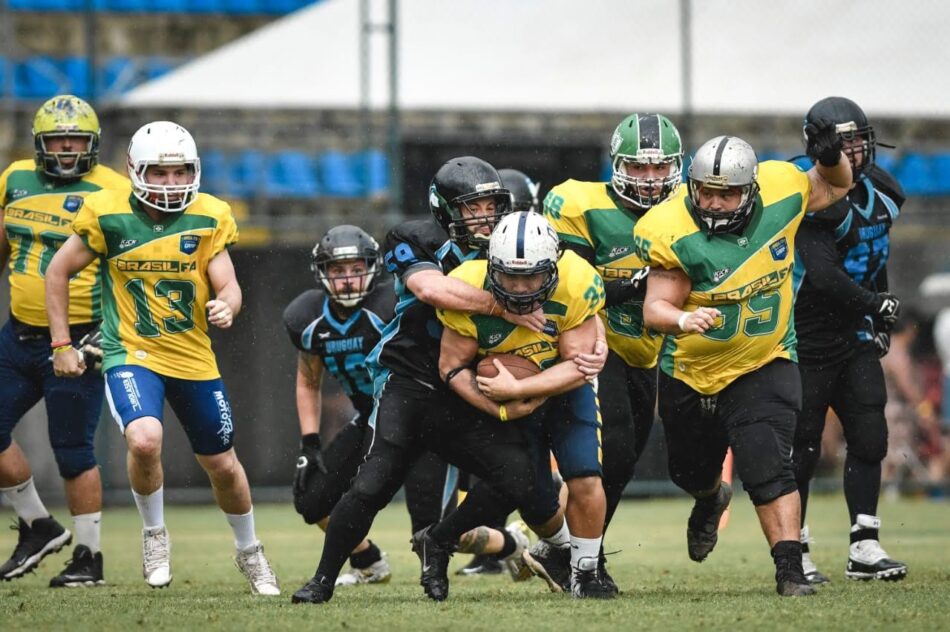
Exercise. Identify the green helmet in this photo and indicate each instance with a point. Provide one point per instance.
(646, 139)
(66, 115)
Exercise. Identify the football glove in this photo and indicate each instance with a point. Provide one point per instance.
(627, 290)
(310, 459)
(882, 340)
(888, 310)
(823, 144)
(90, 346)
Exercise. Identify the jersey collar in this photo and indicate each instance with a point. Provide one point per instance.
(343, 327)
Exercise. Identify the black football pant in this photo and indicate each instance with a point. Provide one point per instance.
(408, 420)
(854, 388)
(627, 408)
(429, 482)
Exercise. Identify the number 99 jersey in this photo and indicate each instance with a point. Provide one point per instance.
(155, 281)
(746, 276)
(37, 212)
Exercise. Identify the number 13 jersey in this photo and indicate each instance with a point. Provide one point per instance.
(746, 276)
(155, 280)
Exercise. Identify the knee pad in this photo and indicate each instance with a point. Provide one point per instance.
(74, 461)
(870, 442)
(762, 455)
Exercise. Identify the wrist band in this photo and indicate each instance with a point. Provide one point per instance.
(502, 412)
(454, 372)
(60, 343)
(682, 321)
(61, 349)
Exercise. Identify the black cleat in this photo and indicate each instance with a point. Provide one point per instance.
(36, 541)
(85, 569)
(434, 557)
(551, 564)
(702, 530)
(605, 577)
(318, 590)
(867, 561)
(790, 580)
(481, 565)
(590, 584)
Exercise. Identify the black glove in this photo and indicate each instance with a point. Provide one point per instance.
(882, 340)
(624, 290)
(90, 346)
(888, 311)
(310, 459)
(822, 142)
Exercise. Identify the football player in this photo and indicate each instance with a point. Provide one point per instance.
(524, 190)
(596, 221)
(39, 199)
(334, 328)
(414, 411)
(843, 318)
(167, 276)
(525, 272)
(720, 287)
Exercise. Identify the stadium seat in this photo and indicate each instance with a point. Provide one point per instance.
(374, 172)
(940, 169)
(915, 175)
(117, 75)
(76, 70)
(885, 161)
(244, 6)
(155, 67)
(245, 175)
(37, 78)
(45, 5)
(205, 6)
(338, 174)
(291, 174)
(214, 172)
(125, 5)
(167, 6)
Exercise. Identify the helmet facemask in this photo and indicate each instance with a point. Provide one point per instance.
(523, 245)
(170, 146)
(646, 193)
(527, 301)
(464, 220)
(51, 163)
(720, 221)
(863, 151)
(360, 284)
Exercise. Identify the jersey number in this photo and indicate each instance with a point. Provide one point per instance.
(552, 205)
(761, 322)
(353, 374)
(181, 298)
(51, 242)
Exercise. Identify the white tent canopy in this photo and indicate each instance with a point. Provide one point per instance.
(747, 56)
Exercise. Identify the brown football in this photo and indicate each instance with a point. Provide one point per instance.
(516, 365)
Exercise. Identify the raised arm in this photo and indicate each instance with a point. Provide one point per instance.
(831, 177)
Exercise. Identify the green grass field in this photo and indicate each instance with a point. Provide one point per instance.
(733, 589)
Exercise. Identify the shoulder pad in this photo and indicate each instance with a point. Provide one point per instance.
(887, 184)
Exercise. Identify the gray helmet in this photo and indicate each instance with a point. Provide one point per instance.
(721, 163)
(524, 190)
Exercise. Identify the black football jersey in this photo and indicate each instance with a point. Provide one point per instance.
(840, 267)
(410, 343)
(342, 344)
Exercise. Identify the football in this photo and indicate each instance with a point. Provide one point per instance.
(516, 365)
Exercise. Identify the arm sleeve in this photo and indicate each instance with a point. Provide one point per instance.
(86, 225)
(623, 290)
(225, 233)
(816, 248)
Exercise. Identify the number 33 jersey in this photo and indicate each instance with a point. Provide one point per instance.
(155, 281)
(37, 212)
(746, 276)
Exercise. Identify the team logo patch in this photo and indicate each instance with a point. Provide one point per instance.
(189, 243)
(16, 194)
(127, 243)
(72, 203)
(779, 249)
(719, 275)
(550, 328)
(494, 339)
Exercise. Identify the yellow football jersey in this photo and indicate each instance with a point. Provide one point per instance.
(578, 296)
(37, 212)
(748, 277)
(590, 215)
(155, 281)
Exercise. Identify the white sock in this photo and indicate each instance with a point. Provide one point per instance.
(151, 508)
(585, 552)
(25, 501)
(243, 527)
(86, 529)
(561, 539)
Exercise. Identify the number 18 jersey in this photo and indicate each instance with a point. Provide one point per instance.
(155, 281)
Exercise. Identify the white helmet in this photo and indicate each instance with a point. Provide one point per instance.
(722, 163)
(523, 244)
(163, 143)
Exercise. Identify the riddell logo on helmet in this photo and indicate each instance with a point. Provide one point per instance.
(174, 158)
(487, 186)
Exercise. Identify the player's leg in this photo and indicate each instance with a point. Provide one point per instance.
(759, 411)
(73, 407)
(481, 563)
(205, 413)
(818, 384)
(136, 398)
(860, 405)
(20, 388)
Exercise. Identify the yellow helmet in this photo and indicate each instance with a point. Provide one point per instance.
(66, 115)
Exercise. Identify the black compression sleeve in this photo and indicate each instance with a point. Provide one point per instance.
(816, 248)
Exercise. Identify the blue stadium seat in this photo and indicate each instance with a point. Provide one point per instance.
(244, 6)
(167, 6)
(125, 5)
(291, 174)
(374, 174)
(245, 173)
(915, 175)
(117, 75)
(338, 173)
(155, 67)
(37, 78)
(45, 5)
(205, 6)
(885, 161)
(76, 70)
(214, 172)
(280, 7)
(940, 164)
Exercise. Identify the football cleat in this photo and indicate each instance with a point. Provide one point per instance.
(35, 542)
(481, 565)
(702, 530)
(812, 574)
(589, 584)
(376, 573)
(318, 590)
(514, 562)
(550, 563)
(790, 578)
(866, 558)
(255, 567)
(434, 557)
(605, 577)
(84, 569)
(156, 557)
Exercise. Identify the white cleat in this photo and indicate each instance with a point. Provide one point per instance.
(812, 574)
(255, 567)
(376, 573)
(516, 566)
(867, 559)
(156, 556)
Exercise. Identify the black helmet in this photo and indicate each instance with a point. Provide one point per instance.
(457, 182)
(851, 123)
(346, 243)
(524, 191)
